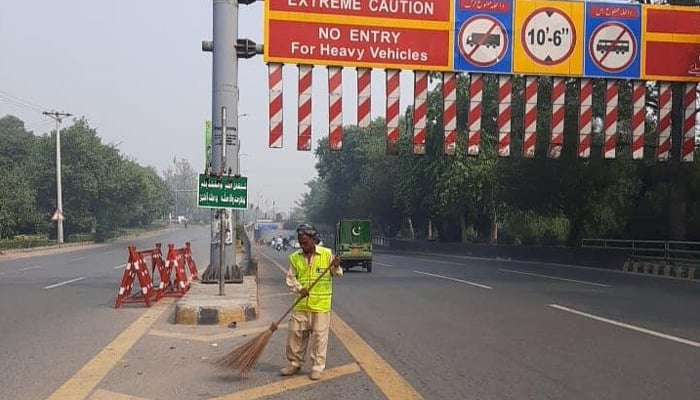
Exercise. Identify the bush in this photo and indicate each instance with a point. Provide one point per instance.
(530, 228)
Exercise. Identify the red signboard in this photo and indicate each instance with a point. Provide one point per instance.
(351, 45)
(673, 20)
(671, 44)
(428, 10)
(684, 63)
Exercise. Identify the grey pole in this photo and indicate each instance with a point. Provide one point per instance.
(222, 214)
(224, 95)
(58, 117)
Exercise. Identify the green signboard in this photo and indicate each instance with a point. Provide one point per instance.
(222, 192)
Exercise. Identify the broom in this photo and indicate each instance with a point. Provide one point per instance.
(243, 358)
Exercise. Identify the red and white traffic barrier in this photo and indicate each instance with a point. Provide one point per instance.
(504, 113)
(449, 94)
(335, 108)
(585, 118)
(558, 96)
(530, 120)
(420, 109)
(275, 86)
(610, 123)
(393, 95)
(476, 93)
(689, 103)
(364, 97)
(639, 92)
(664, 124)
(304, 135)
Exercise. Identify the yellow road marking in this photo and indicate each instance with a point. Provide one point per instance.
(290, 384)
(210, 338)
(86, 379)
(101, 394)
(390, 382)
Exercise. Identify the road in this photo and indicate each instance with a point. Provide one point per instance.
(450, 327)
(57, 311)
(459, 328)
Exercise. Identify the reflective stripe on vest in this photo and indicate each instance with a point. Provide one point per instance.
(319, 299)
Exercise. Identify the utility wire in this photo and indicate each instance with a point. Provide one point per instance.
(22, 103)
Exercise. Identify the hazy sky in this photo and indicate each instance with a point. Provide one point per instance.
(135, 70)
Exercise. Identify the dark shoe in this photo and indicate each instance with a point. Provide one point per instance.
(289, 370)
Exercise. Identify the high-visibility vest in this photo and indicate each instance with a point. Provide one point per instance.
(319, 299)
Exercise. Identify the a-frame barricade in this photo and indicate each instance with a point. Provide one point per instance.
(190, 261)
(175, 262)
(136, 269)
(163, 272)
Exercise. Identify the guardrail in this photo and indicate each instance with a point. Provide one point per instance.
(380, 241)
(670, 252)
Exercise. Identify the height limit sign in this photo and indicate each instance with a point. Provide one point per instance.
(548, 38)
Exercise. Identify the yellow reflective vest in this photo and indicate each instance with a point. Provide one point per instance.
(319, 299)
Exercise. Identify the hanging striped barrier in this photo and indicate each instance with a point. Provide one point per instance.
(304, 133)
(690, 106)
(476, 93)
(664, 124)
(275, 86)
(420, 110)
(557, 138)
(585, 118)
(364, 97)
(335, 108)
(449, 94)
(610, 121)
(530, 119)
(393, 96)
(504, 111)
(639, 91)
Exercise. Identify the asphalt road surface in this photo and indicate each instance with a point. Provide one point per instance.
(451, 327)
(56, 310)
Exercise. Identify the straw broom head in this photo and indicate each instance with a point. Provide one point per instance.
(243, 358)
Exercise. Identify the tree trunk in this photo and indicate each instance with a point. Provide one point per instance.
(463, 227)
(411, 231)
(677, 196)
(430, 229)
(493, 236)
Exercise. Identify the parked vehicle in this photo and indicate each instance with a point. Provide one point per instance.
(353, 243)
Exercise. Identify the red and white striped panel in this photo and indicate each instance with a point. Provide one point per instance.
(689, 98)
(275, 86)
(304, 136)
(556, 141)
(585, 118)
(364, 97)
(639, 92)
(530, 121)
(664, 125)
(393, 95)
(335, 108)
(504, 112)
(476, 93)
(449, 94)
(610, 123)
(420, 109)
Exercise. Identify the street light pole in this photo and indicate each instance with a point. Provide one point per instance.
(58, 117)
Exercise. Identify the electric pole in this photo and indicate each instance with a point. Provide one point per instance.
(58, 117)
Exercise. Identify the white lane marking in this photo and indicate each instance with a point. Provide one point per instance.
(278, 265)
(32, 267)
(628, 326)
(378, 263)
(78, 258)
(554, 277)
(454, 279)
(119, 266)
(64, 283)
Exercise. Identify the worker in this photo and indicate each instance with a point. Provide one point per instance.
(311, 317)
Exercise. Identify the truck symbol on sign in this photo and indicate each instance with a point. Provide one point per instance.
(491, 40)
(619, 46)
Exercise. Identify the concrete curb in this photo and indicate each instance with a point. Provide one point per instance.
(661, 270)
(240, 305)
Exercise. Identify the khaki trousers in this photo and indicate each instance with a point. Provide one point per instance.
(303, 326)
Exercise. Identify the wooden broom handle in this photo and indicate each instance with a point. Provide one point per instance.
(279, 321)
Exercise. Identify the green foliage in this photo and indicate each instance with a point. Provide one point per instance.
(102, 189)
(529, 227)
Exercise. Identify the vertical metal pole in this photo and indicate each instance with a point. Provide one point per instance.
(224, 94)
(222, 212)
(59, 186)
